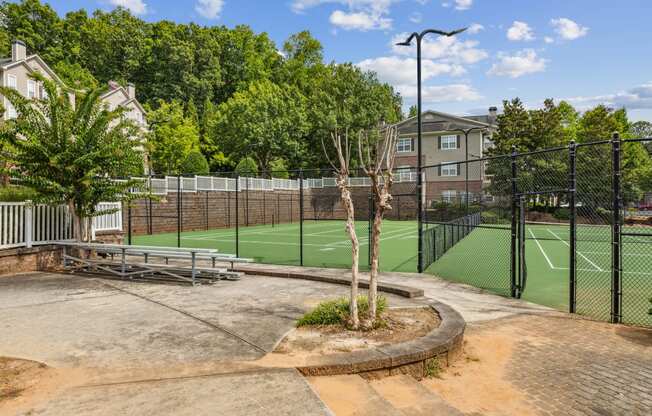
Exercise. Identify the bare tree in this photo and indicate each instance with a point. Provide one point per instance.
(342, 147)
(377, 154)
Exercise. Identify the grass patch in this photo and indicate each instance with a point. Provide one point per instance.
(336, 312)
(433, 368)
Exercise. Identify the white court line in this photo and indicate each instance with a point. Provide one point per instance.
(582, 255)
(541, 248)
(604, 271)
(624, 254)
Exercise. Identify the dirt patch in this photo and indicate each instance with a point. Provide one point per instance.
(477, 383)
(25, 383)
(400, 325)
(17, 376)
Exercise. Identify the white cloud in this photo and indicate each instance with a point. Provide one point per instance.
(359, 15)
(520, 31)
(402, 71)
(359, 21)
(447, 49)
(521, 63)
(432, 94)
(416, 17)
(209, 9)
(136, 6)
(475, 28)
(548, 39)
(568, 29)
(463, 4)
(636, 98)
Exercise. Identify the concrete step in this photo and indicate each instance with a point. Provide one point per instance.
(351, 395)
(411, 398)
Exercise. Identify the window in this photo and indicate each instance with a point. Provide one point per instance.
(11, 111)
(405, 174)
(31, 88)
(404, 145)
(448, 142)
(448, 196)
(449, 169)
(42, 92)
(11, 81)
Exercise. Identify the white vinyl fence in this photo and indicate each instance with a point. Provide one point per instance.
(23, 224)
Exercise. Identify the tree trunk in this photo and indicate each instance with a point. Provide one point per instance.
(354, 319)
(382, 199)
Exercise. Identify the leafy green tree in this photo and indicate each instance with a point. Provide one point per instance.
(195, 163)
(413, 112)
(173, 137)
(264, 121)
(36, 24)
(279, 169)
(247, 166)
(641, 129)
(69, 155)
(75, 76)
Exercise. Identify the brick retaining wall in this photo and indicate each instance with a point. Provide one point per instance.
(216, 209)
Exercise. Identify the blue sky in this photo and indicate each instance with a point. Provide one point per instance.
(585, 51)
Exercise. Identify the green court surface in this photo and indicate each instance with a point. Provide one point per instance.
(325, 243)
(481, 259)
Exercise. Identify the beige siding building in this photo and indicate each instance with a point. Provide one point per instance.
(445, 138)
(16, 71)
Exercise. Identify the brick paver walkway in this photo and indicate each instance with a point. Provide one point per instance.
(570, 366)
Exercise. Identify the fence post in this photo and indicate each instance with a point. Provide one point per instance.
(616, 293)
(237, 215)
(28, 223)
(179, 192)
(514, 191)
(129, 231)
(301, 217)
(420, 196)
(572, 193)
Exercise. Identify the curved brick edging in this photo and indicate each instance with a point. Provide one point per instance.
(400, 290)
(443, 344)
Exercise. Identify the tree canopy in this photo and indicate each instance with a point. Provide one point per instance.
(214, 67)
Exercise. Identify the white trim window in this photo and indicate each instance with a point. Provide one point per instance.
(31, 88)
(449, 142)
(404, 145)
(11, 81)
(449, 196)
(10, 112)
(42, 92)
(449, 169)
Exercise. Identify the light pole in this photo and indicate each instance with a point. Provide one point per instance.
(466, 160)
(408, 42)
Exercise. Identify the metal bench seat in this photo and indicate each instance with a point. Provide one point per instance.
(124, 268)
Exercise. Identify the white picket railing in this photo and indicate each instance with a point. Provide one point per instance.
(25, 225)
(216, 183)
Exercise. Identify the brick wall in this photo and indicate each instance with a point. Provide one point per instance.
(38, 258)
(214, 210)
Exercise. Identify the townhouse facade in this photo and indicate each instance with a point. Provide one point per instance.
(445, 138)
(16, 71)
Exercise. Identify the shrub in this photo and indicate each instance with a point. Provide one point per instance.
(562, 214)
(279, 169)
(16, 193)
(195, 163)
(247, 167)
(336, 312)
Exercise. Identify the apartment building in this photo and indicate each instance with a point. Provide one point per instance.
(16, 70)
(445, 138)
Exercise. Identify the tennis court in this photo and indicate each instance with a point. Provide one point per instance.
(483, 259)
(325, 243)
